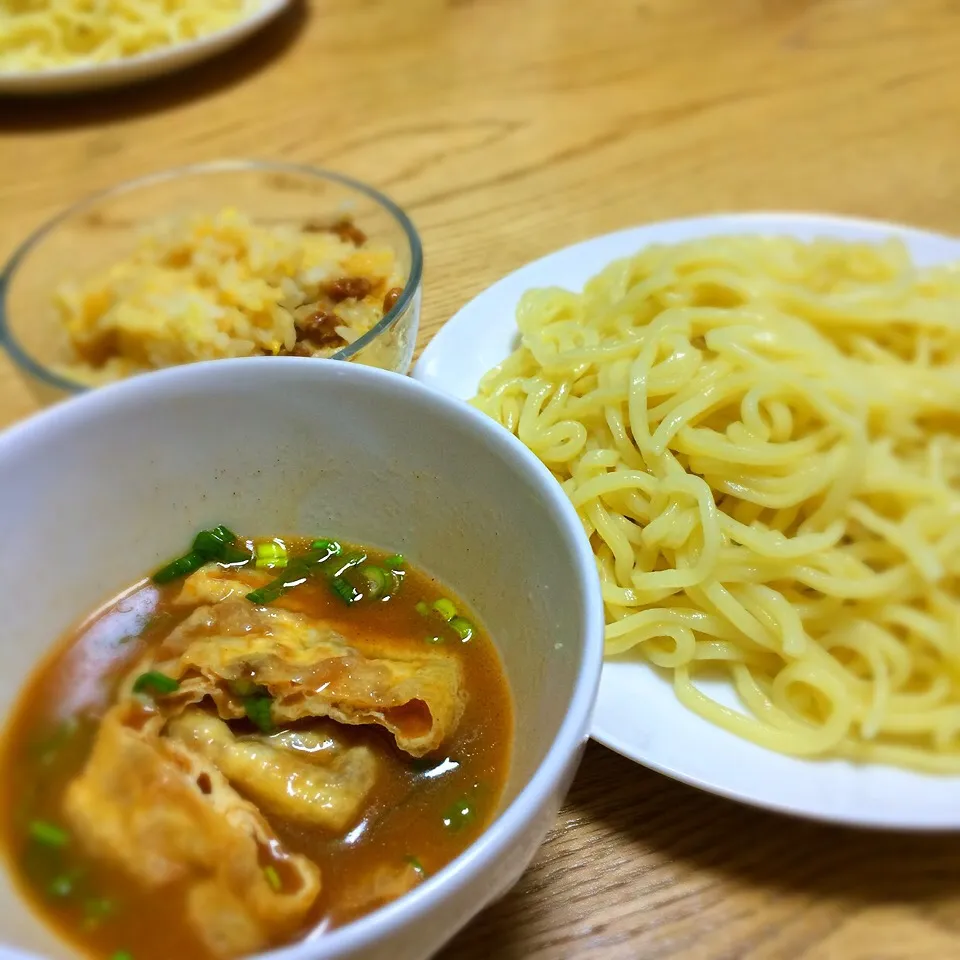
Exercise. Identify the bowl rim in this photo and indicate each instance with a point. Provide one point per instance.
(26, 361)
(511, 822)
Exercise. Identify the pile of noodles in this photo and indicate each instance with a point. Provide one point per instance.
(37, 35)
(762, 438)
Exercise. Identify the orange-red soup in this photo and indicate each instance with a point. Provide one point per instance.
(420, 813)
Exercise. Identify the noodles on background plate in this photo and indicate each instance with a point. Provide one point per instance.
(37, 35)
(762, 438)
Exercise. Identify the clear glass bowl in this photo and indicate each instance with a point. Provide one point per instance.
(98, 231)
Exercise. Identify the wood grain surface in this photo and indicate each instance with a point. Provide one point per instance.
(508, 128)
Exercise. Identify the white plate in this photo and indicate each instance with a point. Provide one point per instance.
(116, 73)
(637, 713)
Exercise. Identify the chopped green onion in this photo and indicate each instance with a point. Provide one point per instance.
(277, 588)
(463, 627)
(181, 567)
(243, 687)
(423, 608)
(121, 955)
(273, 878)
(61, 886)
(271, 554)
(434, 639)
(348, 560)
(331, 546)
(216, 544)
(379, 581)
(345, 590)
(156, 682)
(257, 708)
(211, 542)
(67, 884)
(298, 571)
(445, 608)
(417, 865)
(96, 910)
(49, 834)
(460, 814)
(395, 562)
(232, 554)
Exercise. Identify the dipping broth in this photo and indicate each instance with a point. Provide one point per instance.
(266, 738)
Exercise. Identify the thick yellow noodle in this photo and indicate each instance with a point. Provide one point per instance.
(45, 34)
(762, 439)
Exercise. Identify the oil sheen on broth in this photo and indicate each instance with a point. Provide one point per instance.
(265, 738)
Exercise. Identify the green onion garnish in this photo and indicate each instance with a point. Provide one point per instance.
(96, 910)
(463, 628)
(244, 687)
(345, 590)
(273, 878)
(181, 567)
(331, 546)
(48, 834)
(257, 708)
(155, 682)
(275, 589)
(445, 608)
(270, 555)
(348, 560)
(61, 886)
(379, 581)
(395, 562)
(217, 544)
(121, 955)
(423, 608)
(460, 814)
(232, 554)
(417, 865)
(298, 570)
(212, 542)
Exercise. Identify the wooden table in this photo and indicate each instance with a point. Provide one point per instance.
(508, 128)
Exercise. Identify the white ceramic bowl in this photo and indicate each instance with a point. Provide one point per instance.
(99, 489)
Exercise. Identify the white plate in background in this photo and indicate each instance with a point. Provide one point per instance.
(637, 713)
(155, 63)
